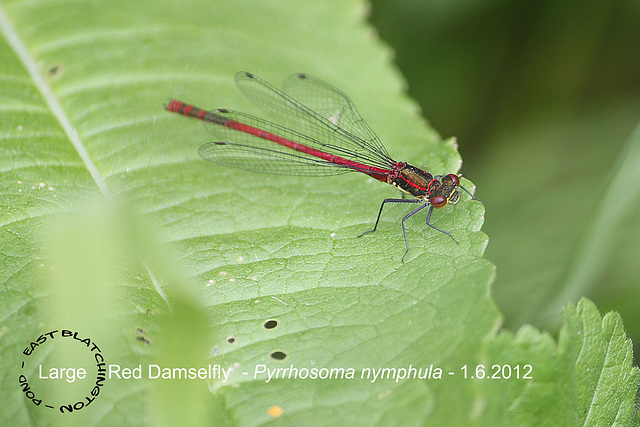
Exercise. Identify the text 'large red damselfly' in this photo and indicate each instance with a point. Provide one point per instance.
(319, 133)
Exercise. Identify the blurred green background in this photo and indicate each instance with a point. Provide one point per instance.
(542, 97)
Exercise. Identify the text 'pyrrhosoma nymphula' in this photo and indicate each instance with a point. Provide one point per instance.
(319, 133)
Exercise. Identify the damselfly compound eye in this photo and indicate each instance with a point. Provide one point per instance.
(438, 201)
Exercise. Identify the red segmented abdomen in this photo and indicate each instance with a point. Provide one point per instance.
(186, 109)
(189, 110)
(374, 172)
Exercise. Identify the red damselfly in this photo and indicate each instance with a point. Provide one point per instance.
(319, 133)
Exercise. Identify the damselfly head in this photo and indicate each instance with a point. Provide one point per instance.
(446, 192)
(442, 197)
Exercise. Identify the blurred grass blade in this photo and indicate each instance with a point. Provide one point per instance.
(599, 238)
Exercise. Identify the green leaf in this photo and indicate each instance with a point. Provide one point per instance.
(191, 264)
(603, 357)
(587, 379)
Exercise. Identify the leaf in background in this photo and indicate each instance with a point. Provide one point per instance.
(273, 261)
(586, 379)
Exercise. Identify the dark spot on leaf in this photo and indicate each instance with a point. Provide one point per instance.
(141, 335)
(231, 340)
(270, 324)
(54, 70)
(278, 355)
